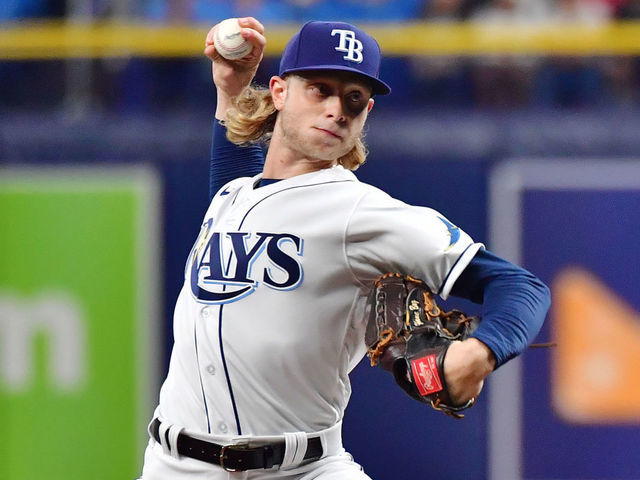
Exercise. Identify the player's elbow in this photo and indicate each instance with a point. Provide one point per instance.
(537, 297)
(542, 295)
(546, 296)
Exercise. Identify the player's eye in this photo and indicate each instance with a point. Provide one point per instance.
(355, 102)
(356, 97)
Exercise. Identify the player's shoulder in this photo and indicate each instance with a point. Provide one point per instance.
(372, 196)
(374, 199)
(366, 198)
(362, 195)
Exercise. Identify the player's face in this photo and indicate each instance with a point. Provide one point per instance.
(322, 115)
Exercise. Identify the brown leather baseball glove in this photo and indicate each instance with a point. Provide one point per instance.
(408, 335)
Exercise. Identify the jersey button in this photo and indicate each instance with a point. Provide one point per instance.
(205, 312)
(211, 369)
(223, 427)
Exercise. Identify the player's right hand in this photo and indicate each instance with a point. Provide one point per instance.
(466, 365)
(232, 76)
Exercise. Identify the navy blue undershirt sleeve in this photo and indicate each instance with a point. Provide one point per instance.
(514, 303)
(230, 161)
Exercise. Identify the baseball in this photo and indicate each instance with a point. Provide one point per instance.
(229, 42)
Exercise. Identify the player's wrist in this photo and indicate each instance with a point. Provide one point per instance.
(481, 355)
(224, 101)
(221, 111)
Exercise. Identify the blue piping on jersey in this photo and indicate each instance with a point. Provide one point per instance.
(226, 372)
(204, 398)
(444, 282)
(224, 360)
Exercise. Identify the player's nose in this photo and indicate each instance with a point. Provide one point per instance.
(335, 109)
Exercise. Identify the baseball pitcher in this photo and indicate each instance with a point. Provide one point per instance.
(296, 260)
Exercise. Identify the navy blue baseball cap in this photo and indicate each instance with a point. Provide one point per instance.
(334, 46)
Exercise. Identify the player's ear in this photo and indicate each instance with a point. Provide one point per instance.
(370, 106)
(278, 87)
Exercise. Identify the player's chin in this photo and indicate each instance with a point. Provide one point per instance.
(328, 151)
(339, 147)
(335, 154)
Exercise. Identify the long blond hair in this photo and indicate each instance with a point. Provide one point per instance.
(252, 118)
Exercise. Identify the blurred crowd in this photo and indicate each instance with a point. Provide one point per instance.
(282, 11)
(503, 81)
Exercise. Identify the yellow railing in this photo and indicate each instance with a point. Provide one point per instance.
(50, 40)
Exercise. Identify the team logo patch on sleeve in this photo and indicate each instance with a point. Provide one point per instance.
(425, 373)
(454, 232)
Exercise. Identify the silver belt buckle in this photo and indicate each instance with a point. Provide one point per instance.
(241, 446)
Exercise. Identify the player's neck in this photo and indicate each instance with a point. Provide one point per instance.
(282, 162)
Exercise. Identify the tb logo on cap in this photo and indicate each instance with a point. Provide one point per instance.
(349, 44)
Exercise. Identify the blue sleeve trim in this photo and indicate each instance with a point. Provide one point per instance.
(230, 161)
(514, 303)
(444, 282)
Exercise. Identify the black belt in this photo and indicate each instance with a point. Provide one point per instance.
(236, 458)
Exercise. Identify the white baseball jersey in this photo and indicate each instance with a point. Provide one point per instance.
(270, 319)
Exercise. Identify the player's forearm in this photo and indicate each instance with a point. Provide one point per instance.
(224, 98)
(230, 161)
(514, 310)
(515, 303)
(223, 103)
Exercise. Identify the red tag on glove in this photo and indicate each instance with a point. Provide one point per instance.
(425, 374)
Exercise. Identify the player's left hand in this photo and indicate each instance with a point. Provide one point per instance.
(232, 76)
(466, 365)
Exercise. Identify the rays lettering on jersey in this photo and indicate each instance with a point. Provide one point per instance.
(211, 278)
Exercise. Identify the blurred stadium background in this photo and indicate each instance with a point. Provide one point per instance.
(518, 119)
